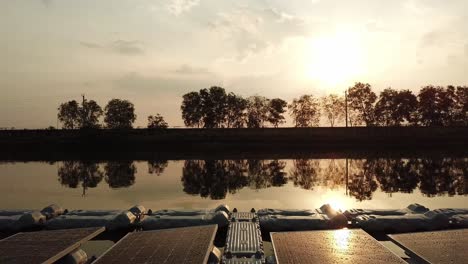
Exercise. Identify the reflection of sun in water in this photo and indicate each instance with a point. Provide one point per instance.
(341, 239)
(335, 60)
(337, 204)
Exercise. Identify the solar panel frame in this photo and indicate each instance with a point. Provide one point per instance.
(44, 246)
(119, 252)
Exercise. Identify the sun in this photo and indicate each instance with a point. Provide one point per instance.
(336, 60)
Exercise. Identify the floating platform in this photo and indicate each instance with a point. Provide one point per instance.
(338, 246)
(44, 246)
(435, 247)
(178, 245)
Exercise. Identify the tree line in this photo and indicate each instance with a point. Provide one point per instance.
(216, 178)
(118, 114)
(433, 106)
(216, 108)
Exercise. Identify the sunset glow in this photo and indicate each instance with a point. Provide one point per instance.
(335, 60)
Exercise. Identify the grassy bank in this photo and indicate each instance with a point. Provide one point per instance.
(224, 141)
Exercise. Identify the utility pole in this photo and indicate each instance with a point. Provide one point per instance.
(346, 107)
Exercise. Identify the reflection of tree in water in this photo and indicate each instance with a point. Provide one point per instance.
(74, 173)
(442, 176)
(265, 174)
(305, 173)
(120, 173)
(334, 174)
(157, 166)
(361, 181)
(215, 178)
(395, 175)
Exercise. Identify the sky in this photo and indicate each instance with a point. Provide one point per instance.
(151, 52)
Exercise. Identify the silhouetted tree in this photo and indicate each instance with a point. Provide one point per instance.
(192, 109)
(276, 110)
(436, 106)
(72, 173)
(236, 111)
(120, 173)
(334, 174)
(213, 102)
(68, 114)
(395, 107)
(361, 99)
(361, 182)
(72, 115)
(333, 107)
(213, 178)
(395, 175)
(257, 111)
(305, 111)
(119, 114)
(157, 166)
(264, 173)
(461, 106)
(156, 121)
(305, 173)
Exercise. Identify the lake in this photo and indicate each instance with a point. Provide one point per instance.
(370, 182)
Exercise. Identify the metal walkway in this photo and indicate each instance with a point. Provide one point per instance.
(244, 239)
(339, 246)
(44, 246)
(177, 245)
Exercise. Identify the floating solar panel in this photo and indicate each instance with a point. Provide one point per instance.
(44, 246)
(177, 245)
(436, 247)
(334, 246)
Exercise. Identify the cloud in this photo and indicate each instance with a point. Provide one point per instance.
(137, 83)
(127, 47)
(90, 45)
(178, 7)
(123, 47)
(47, 3)
(253, 30)
(189, 70)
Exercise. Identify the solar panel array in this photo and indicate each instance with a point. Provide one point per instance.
(44, 246)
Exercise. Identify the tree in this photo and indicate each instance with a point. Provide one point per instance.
(257, 111)
(436, 105)
(276, 110)
(119, 114)
(333, 107)
(68, 114)
(156, 121)
(120, 173)
(395, 107)
(361, 99)
(89, 114)
(235, 111)
(192, 109)
(305, 111)
(72, 115)
(72, 173)
(213, 103)
(461, 106)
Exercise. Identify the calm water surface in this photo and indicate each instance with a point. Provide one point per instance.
(288, 183)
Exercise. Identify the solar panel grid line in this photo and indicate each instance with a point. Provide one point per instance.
(353, 246)
(178, 245)
(447, 246)
(44, 246)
